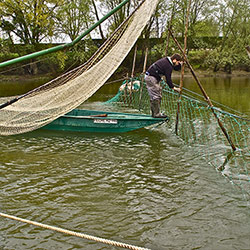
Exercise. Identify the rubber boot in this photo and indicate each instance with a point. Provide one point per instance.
(155, 108)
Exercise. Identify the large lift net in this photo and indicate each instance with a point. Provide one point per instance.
(198, 128)
(43, 105)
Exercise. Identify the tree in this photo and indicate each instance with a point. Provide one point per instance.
(74, 17)
(29, 20)
(97, 18)
(234, 22)
(118, 17)
(201, 13)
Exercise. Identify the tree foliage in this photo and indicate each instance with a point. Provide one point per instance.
(219, 27)
(115, 20)
(74, 17)
(30, 20)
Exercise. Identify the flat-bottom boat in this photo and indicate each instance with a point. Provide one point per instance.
(102, 121)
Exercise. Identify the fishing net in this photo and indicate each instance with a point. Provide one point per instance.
(45, 104)
(198, 128)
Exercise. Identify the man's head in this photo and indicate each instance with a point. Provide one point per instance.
(176, 59)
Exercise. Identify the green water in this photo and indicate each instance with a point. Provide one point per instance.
(145, 188)
(231, 92)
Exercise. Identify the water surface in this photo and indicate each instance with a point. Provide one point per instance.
(145, 188)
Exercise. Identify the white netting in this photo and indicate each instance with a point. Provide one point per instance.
(36, 110)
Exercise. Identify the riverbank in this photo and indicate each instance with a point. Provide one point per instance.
(210, 73)
(26, 78)
(48, 77)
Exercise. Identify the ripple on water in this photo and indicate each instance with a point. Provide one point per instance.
(144, 188)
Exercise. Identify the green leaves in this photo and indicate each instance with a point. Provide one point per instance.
(30, 20)
(220, 27)
(73, 17)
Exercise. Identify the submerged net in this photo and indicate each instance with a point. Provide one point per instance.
(65, 93)
(198, 127)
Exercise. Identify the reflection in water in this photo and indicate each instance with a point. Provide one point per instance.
(227, 159)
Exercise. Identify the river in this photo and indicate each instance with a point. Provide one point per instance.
(145, 188)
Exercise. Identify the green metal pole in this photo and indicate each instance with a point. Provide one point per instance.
(64, 46)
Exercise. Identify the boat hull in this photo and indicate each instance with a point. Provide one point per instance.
(101, 121)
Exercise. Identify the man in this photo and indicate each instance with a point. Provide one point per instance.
(162, 67)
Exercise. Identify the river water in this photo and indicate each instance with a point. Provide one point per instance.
(145, 188)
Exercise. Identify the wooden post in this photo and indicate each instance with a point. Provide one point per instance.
(248, 50)
(182, 69)
(203, 92)
(133, 67)
(125, 90)
(142, 76)
(145, 61)
(132, 75)
(169, 26)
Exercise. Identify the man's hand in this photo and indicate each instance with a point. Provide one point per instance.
(177, 89)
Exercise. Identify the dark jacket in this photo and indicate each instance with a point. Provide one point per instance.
(162, 67)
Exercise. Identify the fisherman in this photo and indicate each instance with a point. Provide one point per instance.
(162, 67)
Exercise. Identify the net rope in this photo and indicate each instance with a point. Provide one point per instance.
(61, 95)
(198, 128)
(73, 233)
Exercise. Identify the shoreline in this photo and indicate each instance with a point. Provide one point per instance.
(199, 73)
(26, 78)
(209, 73)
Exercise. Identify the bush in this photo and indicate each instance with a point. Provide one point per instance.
(197, 58)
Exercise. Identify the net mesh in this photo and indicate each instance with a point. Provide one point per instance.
(45, 104)
(198, 128)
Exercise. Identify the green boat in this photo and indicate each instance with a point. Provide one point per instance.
(101, 121)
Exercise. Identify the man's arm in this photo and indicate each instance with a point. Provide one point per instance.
(170, 83)
(169, 79)
(168, 75)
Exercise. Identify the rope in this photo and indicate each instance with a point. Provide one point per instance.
(69, 232)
